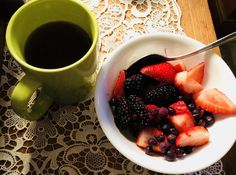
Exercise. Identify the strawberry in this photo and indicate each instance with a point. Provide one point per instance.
(145, 134)
(182, 122)
(163, 72)
(179, 67)
(195, 136)
(118, 90)
(215, 101)
(197, 72)
(180, 107)
(186, 84)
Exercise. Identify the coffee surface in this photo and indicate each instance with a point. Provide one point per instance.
(56, 44)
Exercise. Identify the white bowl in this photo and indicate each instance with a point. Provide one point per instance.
(217, 74)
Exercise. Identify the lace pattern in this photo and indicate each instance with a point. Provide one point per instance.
(69, 139)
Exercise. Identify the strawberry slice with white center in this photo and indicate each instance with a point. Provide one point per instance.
(195, 136)
(215, 101)
(145, 134)
(197, 72)
(118, 90)
(186, 84)
(163, 72)
(182, 122)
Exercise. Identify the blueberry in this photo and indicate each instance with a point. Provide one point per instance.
(171, 111)
(163, 112)
(160, 138)
(166, 128)
(164, 146)
(174, 131)
(188, 149)
(171, 138)
(202, 122)
(191, 106)
(149, 150)
(170, 155)
(209, 120)
(196, 116)
(179, 152)
(152, 142)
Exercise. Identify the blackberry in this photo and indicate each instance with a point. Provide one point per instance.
(139, 115)
(121, 113)
(134, 84)
(162, 96)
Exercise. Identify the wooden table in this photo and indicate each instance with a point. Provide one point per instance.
(197, 23)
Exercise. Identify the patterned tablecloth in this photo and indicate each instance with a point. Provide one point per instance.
(69, 139)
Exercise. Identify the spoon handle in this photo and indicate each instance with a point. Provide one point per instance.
(228, 38)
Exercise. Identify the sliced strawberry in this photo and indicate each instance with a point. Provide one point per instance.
(180, 107)
(145, 135)
(179, 67)
(163, 72)
(182, 122)
(186, 84)
(215, 101)
(118, 90)
(195, 136)
(197, 72)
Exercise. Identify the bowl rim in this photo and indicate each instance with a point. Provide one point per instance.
(100, 112)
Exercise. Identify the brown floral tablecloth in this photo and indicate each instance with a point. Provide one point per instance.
(69, 139)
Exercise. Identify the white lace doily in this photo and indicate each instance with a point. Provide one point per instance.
(69, 139)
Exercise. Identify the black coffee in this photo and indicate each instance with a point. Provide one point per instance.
(56, 44)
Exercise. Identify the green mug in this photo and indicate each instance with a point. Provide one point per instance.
(64, 85)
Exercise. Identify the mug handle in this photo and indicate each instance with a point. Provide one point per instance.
(22, 94)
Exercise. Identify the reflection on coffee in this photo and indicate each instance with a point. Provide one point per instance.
(56, 44)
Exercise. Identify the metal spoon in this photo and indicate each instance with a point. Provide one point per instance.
(219, 42)
(155, 58)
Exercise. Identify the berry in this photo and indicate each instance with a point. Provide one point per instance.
(152, 109)
(202, 122)
(195, 136)
(152, 141)
(186, 84)
(163, 112)
(197, 72)
(149, 150)
(213, 100)
(133, 84)
(170, 155)
(209, 120)
(171, 138)
(118, 90)
(121, 113)
(171, 111)
(160, 138)
(161, 96)
(174, 131)
(180, 107)
(179, 152)
(163, 72)
(145, 135)
(182, 122)
(138, 112)
(188, 149)
(191, 106)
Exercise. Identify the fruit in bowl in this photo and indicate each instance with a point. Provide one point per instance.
(169, 109)
(165, 107)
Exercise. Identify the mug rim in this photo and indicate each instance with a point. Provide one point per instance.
(60, 69)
